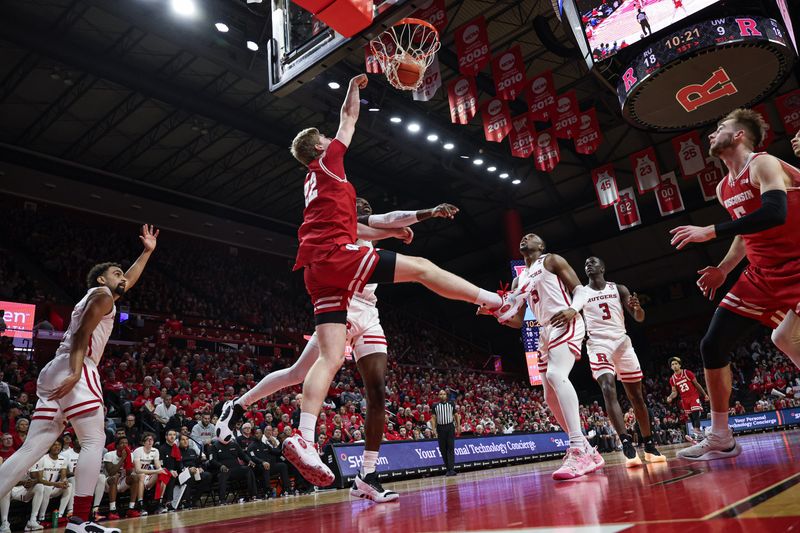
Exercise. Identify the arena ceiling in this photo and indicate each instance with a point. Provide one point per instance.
(136, 95)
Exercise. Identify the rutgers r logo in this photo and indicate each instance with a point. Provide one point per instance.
(602, 358)
(696, 95)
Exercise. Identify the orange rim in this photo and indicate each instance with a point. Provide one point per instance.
(418, 22)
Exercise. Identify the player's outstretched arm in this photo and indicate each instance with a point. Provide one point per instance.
(672, 395)
(350, 109)
(712, 278)
(631, 303)
(699, 387)
(399, 219)
(149, 238)
(375, 234)
(99, 305)
(559, 266)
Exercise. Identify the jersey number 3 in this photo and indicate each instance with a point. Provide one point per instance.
(310, 188)
(606, 311)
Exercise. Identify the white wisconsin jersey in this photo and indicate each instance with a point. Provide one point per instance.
(50, 468)
(147, 460)
(547, 295)
(100, 335)
(368, 294)
(603, 313)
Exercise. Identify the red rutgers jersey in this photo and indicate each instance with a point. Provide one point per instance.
(329, 218)
(740, 197)
(682, 381)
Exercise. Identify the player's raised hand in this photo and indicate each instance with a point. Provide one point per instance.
(711, 279)
(683, 235)
(445, 211)
(359, 81)
(149, 237)
(406, 235)
(633, 302)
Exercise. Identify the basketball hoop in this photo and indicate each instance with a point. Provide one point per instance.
(405, 51)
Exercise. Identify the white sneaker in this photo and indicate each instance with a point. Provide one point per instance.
(509, 306)
(576, 463)
(369, 487)
(231, 413)
(307, 461)
(33, 525)
(75, 525)
(5, 527)
(712, 447)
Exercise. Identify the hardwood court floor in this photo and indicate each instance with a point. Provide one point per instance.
(757, 491)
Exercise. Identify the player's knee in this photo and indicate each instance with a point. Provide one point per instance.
(554, 377)
(782, 339)
(607, 387)
(713, 352)
(297, 375)
(376, 393)
(420, 267)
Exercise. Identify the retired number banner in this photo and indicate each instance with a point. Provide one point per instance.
(605, 185)
(668, 195)
(627, 210)
(710, 177)
(689, 153)
(540, 94)
(508, 70)
(645, 170)
(496, 120)
(472, 47)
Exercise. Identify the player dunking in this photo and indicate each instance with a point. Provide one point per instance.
(611, 352)
(69, 388)
(762, 195)
(365, 335)
(335, 268)
(547, 281)
(685, 384)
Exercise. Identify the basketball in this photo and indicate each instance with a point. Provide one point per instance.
(409, 72)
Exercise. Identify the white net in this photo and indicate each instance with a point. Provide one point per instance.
(404, 49)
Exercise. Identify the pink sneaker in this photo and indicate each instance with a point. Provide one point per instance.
(576, 464)
(597, 459)
(307, 461)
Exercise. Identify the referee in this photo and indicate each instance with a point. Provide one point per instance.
(443, 423)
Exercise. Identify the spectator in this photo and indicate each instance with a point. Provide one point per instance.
(225, 458)
(7, 447)
(204, 431)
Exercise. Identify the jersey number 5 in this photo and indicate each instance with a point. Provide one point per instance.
(606, 311)
(535, 296)
(310, 188)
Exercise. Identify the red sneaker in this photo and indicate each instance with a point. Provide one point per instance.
(63, 521)
(112, 516)
(133, 513)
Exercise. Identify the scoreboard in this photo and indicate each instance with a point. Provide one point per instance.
(530, 334)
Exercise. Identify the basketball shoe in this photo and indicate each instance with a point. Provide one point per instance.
(370, 488)
(33, 525)
(597, 458)
(651, 454)
(306, 459)
(509, 307)
(576, 464)
(5, 527)
(231, 413)
(76, 525)
(632, 458)
(712, 447)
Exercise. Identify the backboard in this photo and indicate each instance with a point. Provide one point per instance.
(302, 46)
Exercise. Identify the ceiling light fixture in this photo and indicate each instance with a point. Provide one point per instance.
(251, 45)
(448, 146)
(432, 137)
(221, 27)
(333, 85)
(184, 8)
(396, 120)
(374, 109)
(491, 169)
(477, 162)
(516, 181)
(504, 175)
(414, 127)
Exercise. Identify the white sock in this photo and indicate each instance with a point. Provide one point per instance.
(576, 440)
(112, 506)
(308, 423)
(130, 505)
(719, 423)
(490, 300)
(368, 462)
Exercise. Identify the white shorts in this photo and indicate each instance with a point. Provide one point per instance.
(85, 396)
(150, 480)
(614, 357)
(570, 335)
(364, 330)
(122, 483)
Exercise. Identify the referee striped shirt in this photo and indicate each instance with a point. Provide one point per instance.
(445, 413)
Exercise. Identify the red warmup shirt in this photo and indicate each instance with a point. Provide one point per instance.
(329, 218)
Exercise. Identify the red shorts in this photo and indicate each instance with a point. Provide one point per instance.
(690, 405)
(765, 294)
(332, 281)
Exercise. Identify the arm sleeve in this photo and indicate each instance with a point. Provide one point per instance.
(579, 297)
(393, 219)
(772, 213)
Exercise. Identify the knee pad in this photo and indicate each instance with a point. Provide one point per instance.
(715, 355)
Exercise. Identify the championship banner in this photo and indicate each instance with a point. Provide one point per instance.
(605, 185)
(710, 177)
(627, 210)
(430, 84)
(565, 115)
(508, 71)
(521, 137)
(546, 151)
(463, 97)
(588, 136)
(434, 12)
(770, 136)
(496, 120)
(689, 153)
(540, 94)
(372, 65)
(789, 109)
(472, 47)
(668, 195)
(645, 170)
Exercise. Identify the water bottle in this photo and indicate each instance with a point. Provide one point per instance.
(54, 519)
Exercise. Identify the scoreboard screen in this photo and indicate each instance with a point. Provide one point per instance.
(611, 25)
(530, 335)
